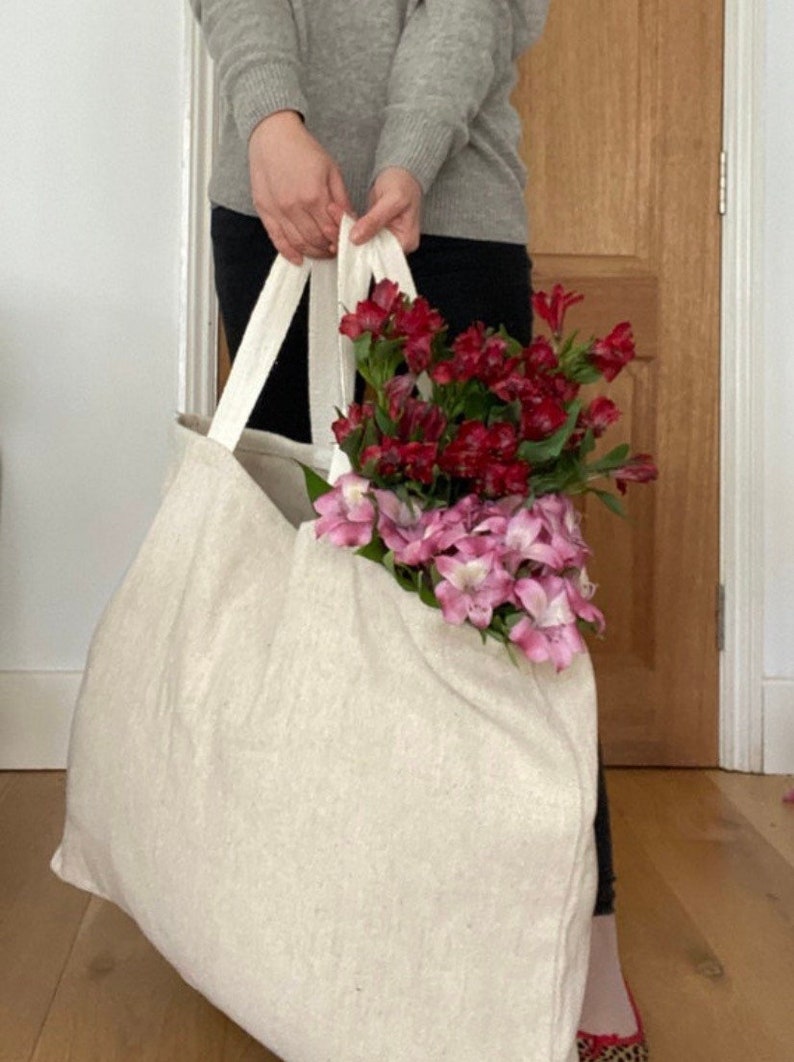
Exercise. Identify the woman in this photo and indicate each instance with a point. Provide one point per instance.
(398, 112)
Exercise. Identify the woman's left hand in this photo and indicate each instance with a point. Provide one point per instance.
(395, 203)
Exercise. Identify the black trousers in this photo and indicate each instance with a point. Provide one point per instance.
(466, 280)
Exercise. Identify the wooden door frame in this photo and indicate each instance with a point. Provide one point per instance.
(741, 399)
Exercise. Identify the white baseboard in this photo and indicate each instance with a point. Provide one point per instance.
(35, 717)
(779, 726)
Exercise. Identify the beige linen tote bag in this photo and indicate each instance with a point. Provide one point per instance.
(363, 834)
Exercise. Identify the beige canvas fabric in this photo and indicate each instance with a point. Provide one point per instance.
(362, 833)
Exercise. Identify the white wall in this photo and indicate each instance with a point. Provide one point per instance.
(779, 389)
(90, 205)
(90, 224)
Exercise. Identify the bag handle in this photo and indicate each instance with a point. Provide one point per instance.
(336, 285)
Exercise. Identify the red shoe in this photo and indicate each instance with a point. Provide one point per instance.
(595, 1048)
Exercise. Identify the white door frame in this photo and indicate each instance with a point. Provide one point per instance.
(741, 401)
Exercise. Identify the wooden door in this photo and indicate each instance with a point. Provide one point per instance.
(621, 102)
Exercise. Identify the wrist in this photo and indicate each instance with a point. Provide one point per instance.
(278, 122)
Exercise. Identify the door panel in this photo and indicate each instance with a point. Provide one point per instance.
(621, 105)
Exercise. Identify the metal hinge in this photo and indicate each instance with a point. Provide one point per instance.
(721, 618)
(723, 195)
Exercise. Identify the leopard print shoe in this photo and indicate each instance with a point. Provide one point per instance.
(594, 1048)
(611, 1049)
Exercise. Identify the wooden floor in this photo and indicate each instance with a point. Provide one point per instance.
(706, 905)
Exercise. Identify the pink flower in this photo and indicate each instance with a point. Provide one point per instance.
(413, 535)
(347, 512)
(471, 588)
(580, 591)
(526, 536)
(563, 528)
(548, 632)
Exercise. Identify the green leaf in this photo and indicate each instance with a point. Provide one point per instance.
(426, 594)
(588, 443)
(316, 486)
(384, 421)
(374, 551)
(611, 501)
(614, 459)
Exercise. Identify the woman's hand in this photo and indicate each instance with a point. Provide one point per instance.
(297, 188)
(395, 203)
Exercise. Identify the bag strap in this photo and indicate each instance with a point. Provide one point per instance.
(337, 285)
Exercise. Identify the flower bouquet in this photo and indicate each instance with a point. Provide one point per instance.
(465, 458)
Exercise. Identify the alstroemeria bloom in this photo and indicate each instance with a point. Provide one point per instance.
(580, 591)
(471, 588)
(347, 512)
(564, 529)
(526, 538)
(552, 308)
(640, 468)
(412, 535)
(549, 631)
(613, 352)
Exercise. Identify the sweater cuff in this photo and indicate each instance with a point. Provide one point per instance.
(263, 90)
(415, 141)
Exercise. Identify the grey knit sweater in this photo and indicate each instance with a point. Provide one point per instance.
(422, 84)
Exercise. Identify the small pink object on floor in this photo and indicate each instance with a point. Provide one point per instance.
(788, 797)
(609, 1048)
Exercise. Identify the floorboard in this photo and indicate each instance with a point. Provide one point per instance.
(39, 914)
(705, 865)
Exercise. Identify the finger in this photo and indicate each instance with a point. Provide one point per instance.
(311, 223)
(281, 242)
(315, 246)
(380, 215)
(339, 198)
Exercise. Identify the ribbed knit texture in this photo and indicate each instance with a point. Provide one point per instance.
(422, 84)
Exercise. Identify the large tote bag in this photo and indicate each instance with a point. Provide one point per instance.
(362, 833)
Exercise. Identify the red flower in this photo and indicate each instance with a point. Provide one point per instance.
(492, 360)
(500, 479)
(486, 456)
(540, 357)
(541, 419)
(397, 390)
(552, 308)
(386, 294)
(420, 324)
(638, 469)
(611, 354)
(384, 458)
(421, 420)
(514, 386)
(601, 412)
(413, 460)
(502, 441)
(369, 317)
(356, 415)
(467, 454)
(418, 460)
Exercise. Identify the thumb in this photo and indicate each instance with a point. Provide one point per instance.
(381, 212)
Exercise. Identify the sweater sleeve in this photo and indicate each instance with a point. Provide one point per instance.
(254, 44)
(450, 54)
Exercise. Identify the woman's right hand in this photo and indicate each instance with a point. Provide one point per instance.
(294, 182)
